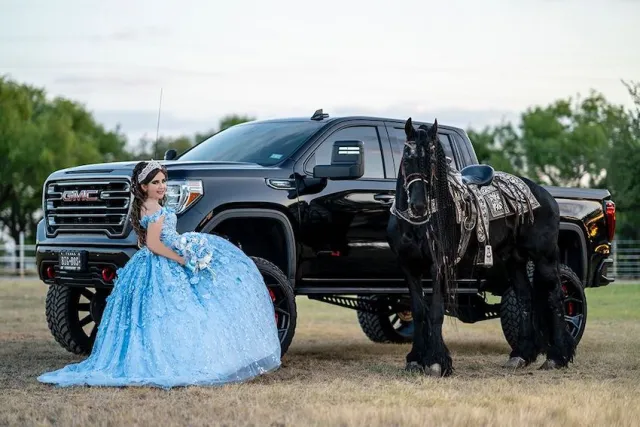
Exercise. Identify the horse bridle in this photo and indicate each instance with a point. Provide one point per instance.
(428, 179)
(417, 176)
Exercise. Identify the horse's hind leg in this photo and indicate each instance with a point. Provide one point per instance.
(548, 301)
(526, 350)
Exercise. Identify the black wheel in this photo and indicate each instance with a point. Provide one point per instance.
(396, 328)
(284, 300)
(73, 315)
(575, 306)
(575, 302)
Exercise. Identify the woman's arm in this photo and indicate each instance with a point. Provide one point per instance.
(156, 246)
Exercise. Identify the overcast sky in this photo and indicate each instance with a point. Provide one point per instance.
(465, 62)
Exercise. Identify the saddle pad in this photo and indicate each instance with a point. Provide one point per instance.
(514, 197)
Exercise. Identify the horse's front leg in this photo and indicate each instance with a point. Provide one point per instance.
(415, 358)
(437, 359)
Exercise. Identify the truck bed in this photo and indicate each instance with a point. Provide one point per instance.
(579, 193)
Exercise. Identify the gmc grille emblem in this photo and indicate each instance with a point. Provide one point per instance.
(81, 196)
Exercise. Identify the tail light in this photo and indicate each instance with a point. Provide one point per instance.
(610, 213)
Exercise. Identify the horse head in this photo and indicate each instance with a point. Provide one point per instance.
(424, 178)
(418, 168)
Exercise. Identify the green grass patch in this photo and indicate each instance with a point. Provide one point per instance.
(614, 302)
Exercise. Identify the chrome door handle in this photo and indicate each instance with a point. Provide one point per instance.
(384, 198)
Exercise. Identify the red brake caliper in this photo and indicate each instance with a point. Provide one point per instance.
(570, 307)
(273, 300)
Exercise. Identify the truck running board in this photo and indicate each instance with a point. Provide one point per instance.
(339, 290)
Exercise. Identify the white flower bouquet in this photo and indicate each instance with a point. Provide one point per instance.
(197, 253)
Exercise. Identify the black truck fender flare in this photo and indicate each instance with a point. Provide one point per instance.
(261, 213)
(574, 228)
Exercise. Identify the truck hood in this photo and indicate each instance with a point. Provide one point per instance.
(126, 168)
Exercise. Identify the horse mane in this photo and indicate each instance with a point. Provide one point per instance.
(443, 230)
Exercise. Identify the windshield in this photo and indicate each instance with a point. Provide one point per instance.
(265, 143)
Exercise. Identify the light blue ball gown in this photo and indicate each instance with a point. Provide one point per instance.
(166, 325)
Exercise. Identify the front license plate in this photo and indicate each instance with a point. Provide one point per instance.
(73, 260)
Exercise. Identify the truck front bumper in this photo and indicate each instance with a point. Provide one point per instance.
(98, 270)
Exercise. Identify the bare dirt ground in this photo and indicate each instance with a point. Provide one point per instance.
(332, 375)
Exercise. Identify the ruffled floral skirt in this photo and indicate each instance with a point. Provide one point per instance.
(166, 325)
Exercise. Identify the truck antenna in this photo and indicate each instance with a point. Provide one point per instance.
(155, 148)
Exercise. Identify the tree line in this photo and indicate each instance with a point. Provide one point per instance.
(585, 142)
(574, 142)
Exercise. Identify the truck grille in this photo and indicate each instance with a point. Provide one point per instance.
(99, 206)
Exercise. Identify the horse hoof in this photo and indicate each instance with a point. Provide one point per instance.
(549, 365)
(515, 363)
(413, 367)
(435, 370)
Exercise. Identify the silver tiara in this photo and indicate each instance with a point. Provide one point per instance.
(152, 165)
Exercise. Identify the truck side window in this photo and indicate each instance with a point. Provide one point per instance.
(398, 137)
(373, 165)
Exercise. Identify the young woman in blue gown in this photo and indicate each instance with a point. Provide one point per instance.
(187, 309)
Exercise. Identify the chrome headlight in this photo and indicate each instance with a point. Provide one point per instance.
(183, 194)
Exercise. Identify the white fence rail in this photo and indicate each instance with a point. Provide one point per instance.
(20, 259)
(626, 259)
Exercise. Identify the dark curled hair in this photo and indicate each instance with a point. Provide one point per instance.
(444, 228)
(139, 198)
(447, 248)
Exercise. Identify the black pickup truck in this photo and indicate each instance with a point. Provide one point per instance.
(313, 228)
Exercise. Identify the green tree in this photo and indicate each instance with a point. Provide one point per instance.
(623, 177)
(224, 123)
(566, 143)
(149, 148)
(498, 147)
(37, 137)
(232, 120)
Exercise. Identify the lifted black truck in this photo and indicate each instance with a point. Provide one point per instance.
(314, 225)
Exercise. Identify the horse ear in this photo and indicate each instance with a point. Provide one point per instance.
(409, 130)
(433, 130)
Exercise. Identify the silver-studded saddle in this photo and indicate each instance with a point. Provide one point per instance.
(481, 196)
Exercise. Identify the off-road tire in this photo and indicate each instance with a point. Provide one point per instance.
(510, 307)
(378, 327)
(277, 281)
(63, 315)
(63, 319)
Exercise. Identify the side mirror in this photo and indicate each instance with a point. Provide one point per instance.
(170, 154)
(347, 162)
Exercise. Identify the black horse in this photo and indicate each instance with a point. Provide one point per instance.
(440, 220)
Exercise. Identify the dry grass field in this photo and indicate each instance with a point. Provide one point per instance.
(334, 376)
